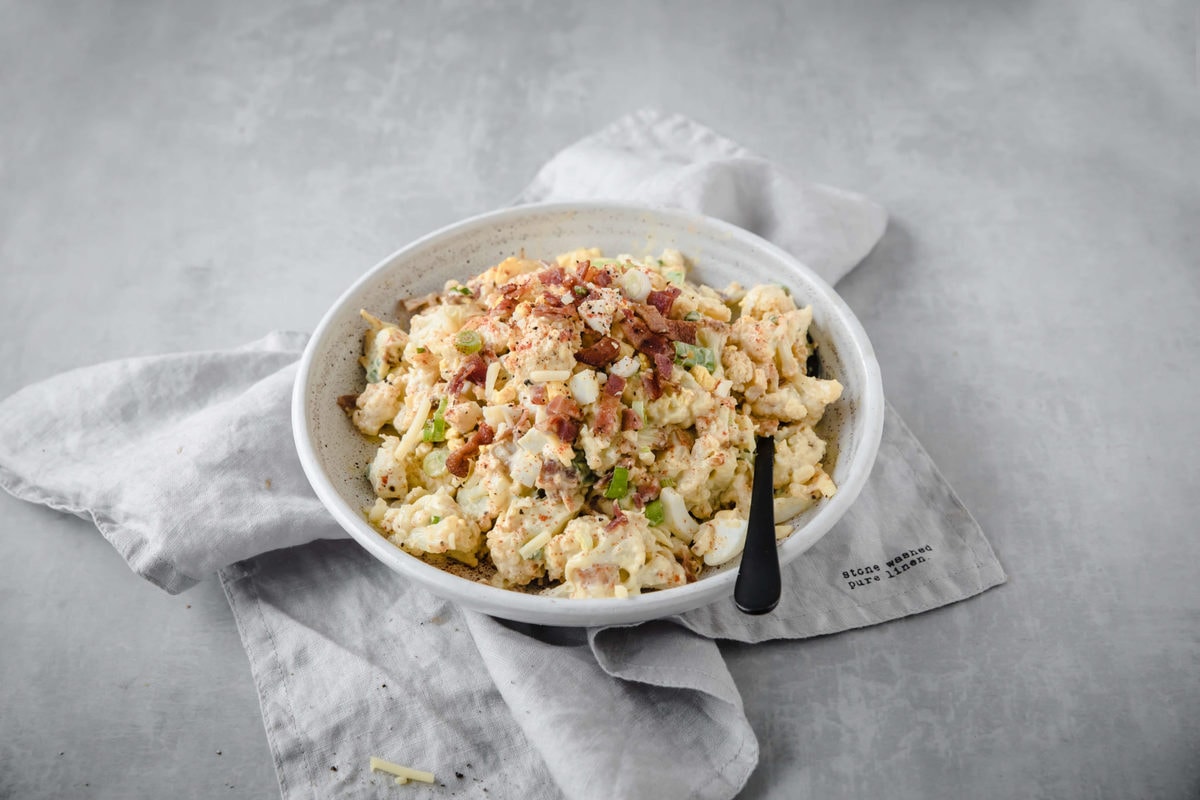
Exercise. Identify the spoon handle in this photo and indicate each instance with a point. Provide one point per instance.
(758, 583)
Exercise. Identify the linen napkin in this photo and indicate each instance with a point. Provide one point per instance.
(185, 464)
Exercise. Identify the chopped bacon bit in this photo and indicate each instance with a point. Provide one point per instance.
(601, 354)
(552, 310)
(564, 428)
(504, 306)
(557, 479)
(630, 421)
(614, 385)
(657, 347)
(618, 519)
(473, 369)
(552, 277)
(663, 362)
(566, 406)
(646, 492)
(563, 415)
(597, 275)
(457, 463)
(681, 330)
(608, 416)
(651, 384)
(537, 394)
(523, 423)
(347, 402)
(653, 318)
(664, 299)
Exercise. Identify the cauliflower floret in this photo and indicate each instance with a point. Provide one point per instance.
(767, 298)
(383, 348)
(703, 300)
(434, 329)
(526, 519)
(387, 472)
(797, 453)
(596, 559)
(543, 344)
(433, 523)
(378, 405)
(496, 334)
(600, 453)
(785, 405)
(502, 273)
(738, 367)
(487, 491)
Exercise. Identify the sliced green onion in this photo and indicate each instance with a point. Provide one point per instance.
(434, 462)
(655, 513)
(675, 276)
(618, 487)
(691, 355)
(462, 290)
(586, 476)
(434, 520)
(435, 429)
(420, 348)
(580, 289)
(691, 316)
(667, 482)
(468, 342)
(639, 408)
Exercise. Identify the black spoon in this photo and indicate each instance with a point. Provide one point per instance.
(758, 583)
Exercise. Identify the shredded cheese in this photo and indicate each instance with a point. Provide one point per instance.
(536, 543)
(549, 375)
(402, 774)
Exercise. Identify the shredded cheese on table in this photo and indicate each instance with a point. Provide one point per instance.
(402, 774)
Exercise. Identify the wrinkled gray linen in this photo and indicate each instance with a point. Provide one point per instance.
(185, 464)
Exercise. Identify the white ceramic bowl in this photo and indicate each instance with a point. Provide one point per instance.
(334, 454)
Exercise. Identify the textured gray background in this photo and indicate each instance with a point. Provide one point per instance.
(190, 175)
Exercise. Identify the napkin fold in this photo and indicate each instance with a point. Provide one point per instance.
(185, 464)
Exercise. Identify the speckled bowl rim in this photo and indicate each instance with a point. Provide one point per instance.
(523, 607)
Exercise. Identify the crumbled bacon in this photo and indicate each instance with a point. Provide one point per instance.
(681, 330)
(473, 369)
(653, 318)
(565, 405)
(675, 329)
(601, 354)
(658, 347)
(608, 416)
(646, 492)
(552, 310)
(614, 385)
(564, 428)
(597, 275)
(618, 519)
(554, 478)
(664, 299)
(347, 402)
(457, 463)
(652, 385)
(663, 362)
(552, 277)
(537, 394)
(630, 421)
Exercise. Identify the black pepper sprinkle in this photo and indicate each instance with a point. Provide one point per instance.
(333, 769)
(458, 775)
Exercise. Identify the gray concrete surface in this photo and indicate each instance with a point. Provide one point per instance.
(189, 175)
